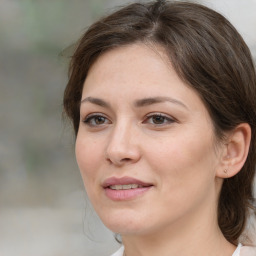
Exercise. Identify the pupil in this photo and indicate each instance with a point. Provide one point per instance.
(100, 120)
(158, 119)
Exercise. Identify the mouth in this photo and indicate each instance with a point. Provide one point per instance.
(125, 188)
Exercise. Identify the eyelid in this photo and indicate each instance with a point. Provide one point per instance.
(89, 117)
(94, 114)
(169, 118)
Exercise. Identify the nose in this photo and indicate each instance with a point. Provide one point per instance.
(122, 147)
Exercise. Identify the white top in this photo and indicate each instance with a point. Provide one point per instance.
(120, 252)
(240, 251)
(237, 251)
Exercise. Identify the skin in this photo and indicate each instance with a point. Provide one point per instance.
(169, 144)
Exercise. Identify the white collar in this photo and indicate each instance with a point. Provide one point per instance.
(237, 251)
(120, 252)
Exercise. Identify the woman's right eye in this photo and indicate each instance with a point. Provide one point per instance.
(96, 120)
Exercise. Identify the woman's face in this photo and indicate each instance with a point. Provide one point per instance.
(145, 145)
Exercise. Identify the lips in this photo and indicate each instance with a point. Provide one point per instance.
(125, 188)
(124, 183)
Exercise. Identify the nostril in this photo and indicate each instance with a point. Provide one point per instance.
(119, 162)
(126, 159)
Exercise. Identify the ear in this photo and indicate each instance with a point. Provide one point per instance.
(235, 151)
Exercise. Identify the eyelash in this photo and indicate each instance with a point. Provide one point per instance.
(167, 119)
(90, 120)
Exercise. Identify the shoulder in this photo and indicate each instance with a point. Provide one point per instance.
(247, 251)
(119, 252)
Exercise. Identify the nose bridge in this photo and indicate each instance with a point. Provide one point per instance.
(121, 133)
(122, 146)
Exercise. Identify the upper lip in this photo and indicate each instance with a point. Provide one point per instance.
(124, 181)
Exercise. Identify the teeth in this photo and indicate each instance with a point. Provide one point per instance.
(123, 187)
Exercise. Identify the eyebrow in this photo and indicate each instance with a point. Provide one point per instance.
(96, 101)
(137, 103)
(155, 100)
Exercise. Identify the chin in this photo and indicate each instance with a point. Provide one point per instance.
(124, 224)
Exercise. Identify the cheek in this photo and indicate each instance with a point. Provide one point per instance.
(185, 161)
(185, 175)
(88, 154)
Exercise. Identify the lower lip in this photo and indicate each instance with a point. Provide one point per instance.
(125, 194)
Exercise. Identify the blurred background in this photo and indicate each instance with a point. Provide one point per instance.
(43, 207)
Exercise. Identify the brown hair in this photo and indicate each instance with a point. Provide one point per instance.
(209, 55)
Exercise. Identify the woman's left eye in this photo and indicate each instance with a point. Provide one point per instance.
(158, 119)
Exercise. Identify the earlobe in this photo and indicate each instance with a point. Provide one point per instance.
(235, 152)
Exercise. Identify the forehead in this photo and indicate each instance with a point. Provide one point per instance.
(137, 70)
(129, 65)
(133, 52)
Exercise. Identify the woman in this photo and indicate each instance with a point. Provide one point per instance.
(162, 100)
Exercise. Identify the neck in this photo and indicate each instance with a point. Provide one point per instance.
(195, 236)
